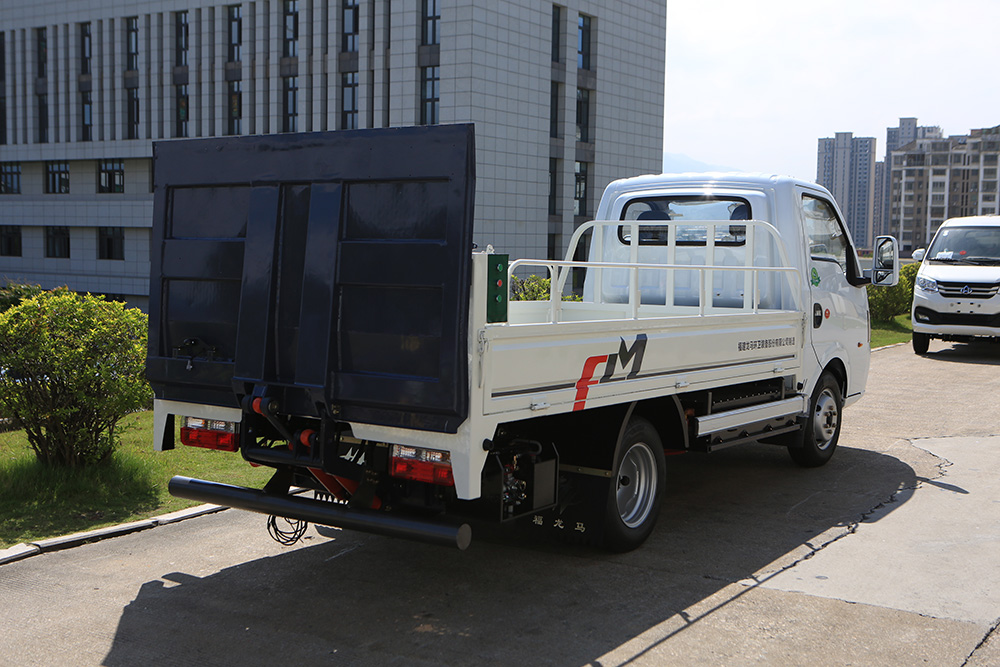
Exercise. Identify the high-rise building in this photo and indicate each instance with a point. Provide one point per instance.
(895, 138)
(845, 166)
(933, 179)
(565, 98)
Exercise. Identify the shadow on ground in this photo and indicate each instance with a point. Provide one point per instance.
(975, 352)
(361, 599)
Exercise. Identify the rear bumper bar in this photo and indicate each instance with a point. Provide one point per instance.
(321, 512)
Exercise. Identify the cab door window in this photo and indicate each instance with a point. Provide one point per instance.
(826, 236)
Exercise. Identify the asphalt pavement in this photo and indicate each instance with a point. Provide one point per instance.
(886, 556)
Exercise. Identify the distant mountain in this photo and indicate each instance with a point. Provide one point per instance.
(675, 163)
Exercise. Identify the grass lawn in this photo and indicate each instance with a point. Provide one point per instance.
(38, 502)
(889, 333)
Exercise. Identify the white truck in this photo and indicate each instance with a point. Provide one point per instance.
(317, 307)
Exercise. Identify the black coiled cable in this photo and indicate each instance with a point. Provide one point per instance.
(287, 536)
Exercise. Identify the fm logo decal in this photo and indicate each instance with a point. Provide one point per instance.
(625, 356)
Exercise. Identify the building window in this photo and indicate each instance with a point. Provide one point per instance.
(431, 19)
(181, 111)
(235, 32)
(132, 120)
(235, 117)
(290, 113)
(86, 46)
(349, 97)
(555, 102)
(553, 186)
(583, 42)
(181, 39)
(43, 119)
(57, 178)
(10, 178)
(57, 242)
(41, 53)
(10, 240)
(290, 39)
(86, 117)
(110, 243)
(110, 176)
(556, 33)
(132, 42)
(580, 189)
(430, 95)
(583, 115)
(349, 33)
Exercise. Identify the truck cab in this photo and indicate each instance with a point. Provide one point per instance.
(801, 217)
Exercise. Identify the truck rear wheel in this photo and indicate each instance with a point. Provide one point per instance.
(921, 342)
(636, 488)
(822, 430)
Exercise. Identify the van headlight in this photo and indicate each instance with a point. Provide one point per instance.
(926, 284)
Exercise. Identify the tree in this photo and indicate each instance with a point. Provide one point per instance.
(71, 367)
(13, 293)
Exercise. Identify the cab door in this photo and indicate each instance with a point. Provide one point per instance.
(838, 308)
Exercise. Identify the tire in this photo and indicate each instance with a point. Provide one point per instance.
(636, 488)
(921, 342)
(819, 438)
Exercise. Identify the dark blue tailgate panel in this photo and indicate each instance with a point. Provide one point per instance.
(330, 271)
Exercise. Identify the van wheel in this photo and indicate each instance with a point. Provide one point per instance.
(822, 430)
(921, 342)
(636, 487)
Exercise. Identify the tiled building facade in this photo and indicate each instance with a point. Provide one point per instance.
(565, 98)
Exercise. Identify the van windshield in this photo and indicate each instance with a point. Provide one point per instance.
(968, 245)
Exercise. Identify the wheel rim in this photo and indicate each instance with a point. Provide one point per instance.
(825, 419)
(636, 485)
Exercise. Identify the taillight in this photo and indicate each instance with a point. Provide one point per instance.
(421, 465)
(210, 433)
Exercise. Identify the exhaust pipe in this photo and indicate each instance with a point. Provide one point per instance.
(322, 513)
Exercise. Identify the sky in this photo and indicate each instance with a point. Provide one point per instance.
(753, 84)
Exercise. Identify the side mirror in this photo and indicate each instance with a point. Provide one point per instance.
(919, 254)
(885, 262)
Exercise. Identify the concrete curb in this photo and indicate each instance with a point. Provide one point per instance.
(19, 551)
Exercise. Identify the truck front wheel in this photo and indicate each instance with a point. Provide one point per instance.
(636, 487)
(822, 430)
(921, 342)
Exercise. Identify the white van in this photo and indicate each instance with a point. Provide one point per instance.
(955, 297)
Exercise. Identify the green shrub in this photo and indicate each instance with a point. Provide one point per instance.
(885, 303)
(71, 367)
(534, 288)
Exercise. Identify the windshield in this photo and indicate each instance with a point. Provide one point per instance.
(972, 245)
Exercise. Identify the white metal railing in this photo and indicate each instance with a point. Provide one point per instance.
(560, 270)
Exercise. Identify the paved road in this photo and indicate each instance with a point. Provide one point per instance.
(886, 556)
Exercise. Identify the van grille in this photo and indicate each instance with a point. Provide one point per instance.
(968, 290)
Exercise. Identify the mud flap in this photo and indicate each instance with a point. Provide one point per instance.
(578, 517)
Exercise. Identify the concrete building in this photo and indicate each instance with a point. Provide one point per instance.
(933, 179)
(845, 165)
(896, 138)
(565, 98)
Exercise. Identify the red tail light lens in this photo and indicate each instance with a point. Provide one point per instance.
(421, 465)
(210, 434)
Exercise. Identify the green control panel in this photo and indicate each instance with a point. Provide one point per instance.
(496, 289)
